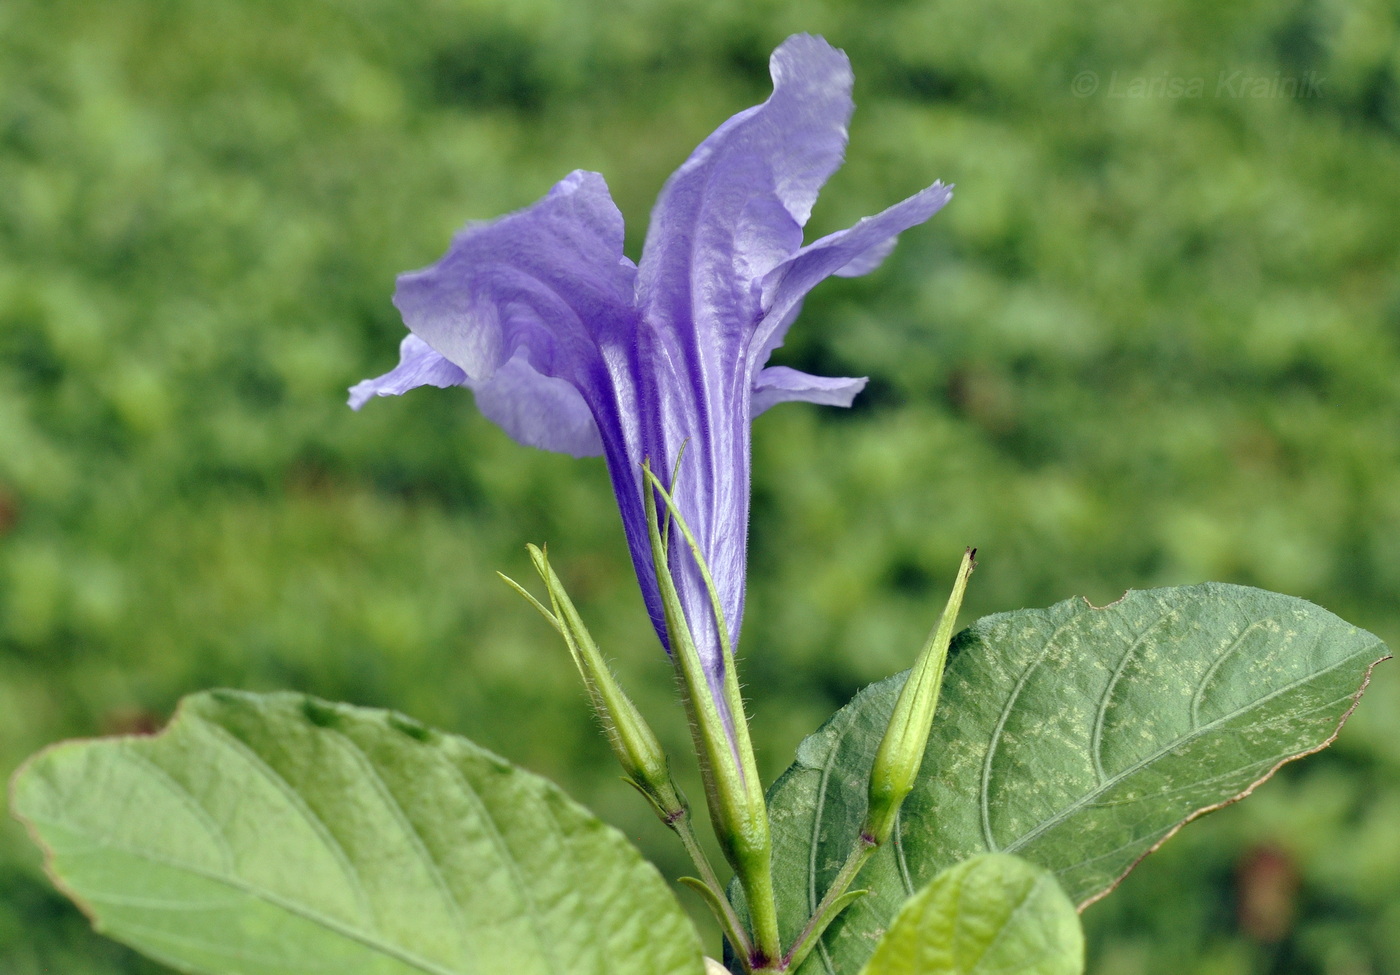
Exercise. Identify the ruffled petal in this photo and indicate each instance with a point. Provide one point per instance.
(855, 250)
(537, 411)
(736, 208)
(418, 366)
(779, 384)
(570, 347)
(867, 262)
(549, 283)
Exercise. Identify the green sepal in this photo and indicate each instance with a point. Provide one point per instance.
(730, 697)
(635, 745)
(549, 617)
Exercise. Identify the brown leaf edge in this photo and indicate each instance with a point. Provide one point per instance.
(1206, 810)
(49, 856)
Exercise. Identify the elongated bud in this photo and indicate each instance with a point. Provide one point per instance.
(738, 810)
(633, 742)
(902, 749)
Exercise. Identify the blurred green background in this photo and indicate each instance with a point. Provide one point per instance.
(1154, 340)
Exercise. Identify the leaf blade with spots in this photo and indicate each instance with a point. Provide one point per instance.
(1076, 737)
(280, 835)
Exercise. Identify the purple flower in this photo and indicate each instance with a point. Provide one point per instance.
(569, 346)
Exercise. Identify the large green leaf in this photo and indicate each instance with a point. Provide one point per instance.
(1077, 737)
(995, 914)
(281, 835)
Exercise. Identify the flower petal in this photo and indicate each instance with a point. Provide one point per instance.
(855, 250)
(867, 262)
(418, 366)
(548, 282)
(736, 208)
(538, 411)
(732, 212)
(571, 347)
(779, 384)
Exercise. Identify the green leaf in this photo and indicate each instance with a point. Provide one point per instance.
(281, 835)
(1079, 738)
(995, 914)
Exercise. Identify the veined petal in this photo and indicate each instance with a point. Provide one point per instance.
(538, 411)
(732, 212)
(736, 208)
(857, 249)
(570, 347)
(418, 366)
(779, 384)
(549, 283)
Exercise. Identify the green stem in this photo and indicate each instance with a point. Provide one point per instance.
(725, 914)
(831, 903)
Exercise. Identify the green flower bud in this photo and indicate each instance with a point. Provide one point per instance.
(633, 742)
(902, 749)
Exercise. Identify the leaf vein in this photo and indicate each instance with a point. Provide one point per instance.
(1021, 905)
(1215, 665)
(410, 833)
(1089, 797)
(544, 944)
(372, 939)
(1101, 717)
(312, 818)
(995, 741)
(186, 798)
(819, 811)
(899, 857)
(203, 944)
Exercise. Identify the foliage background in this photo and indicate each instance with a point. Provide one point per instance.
(1153, 341)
